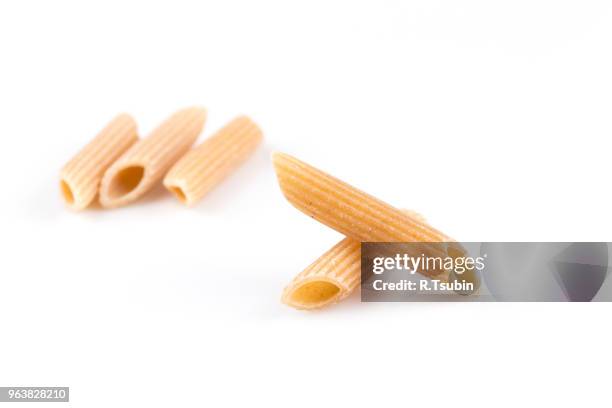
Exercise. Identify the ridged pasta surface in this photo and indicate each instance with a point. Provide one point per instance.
(331, 278)
(145, 163)
(346, 209)
(206, 165)
(80, 177)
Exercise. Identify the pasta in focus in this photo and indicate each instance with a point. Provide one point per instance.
(331, 278)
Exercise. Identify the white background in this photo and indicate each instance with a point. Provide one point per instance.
(492, 119)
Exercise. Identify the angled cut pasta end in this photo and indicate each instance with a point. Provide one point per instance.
(205, 166)
(281, 161)
(313, 293)
(284, 164)
(328, 280)
(80, 177)
(194, 115)
(331, 278)
(146, 162)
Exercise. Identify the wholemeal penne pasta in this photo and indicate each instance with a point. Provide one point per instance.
(80, 177)
(331, 278)
(206, 165)
(350, 211)
(360, 216)
(145, 163)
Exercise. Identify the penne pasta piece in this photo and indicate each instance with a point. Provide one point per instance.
(328, 280)
(360, 216)
(350, 211)
(331, 278)
(346, 209)
(206, 165)
(80, 177)
(145, 163)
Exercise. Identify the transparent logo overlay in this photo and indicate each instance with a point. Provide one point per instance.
(485, 271)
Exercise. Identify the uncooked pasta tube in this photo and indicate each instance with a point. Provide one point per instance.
(331, 278)
(206, 165)
(346, 209)
(80, 177)
(350, 211)
(145, 163)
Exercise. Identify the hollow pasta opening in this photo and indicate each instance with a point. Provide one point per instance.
(125, 181)
(314, 294)
(178, 193)
(67, 192)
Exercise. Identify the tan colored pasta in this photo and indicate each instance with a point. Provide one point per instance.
(360, 216)
(145, 163)
(331, 278)
(206, 165)
(80, 177)
(346, 209)
(350, 211)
